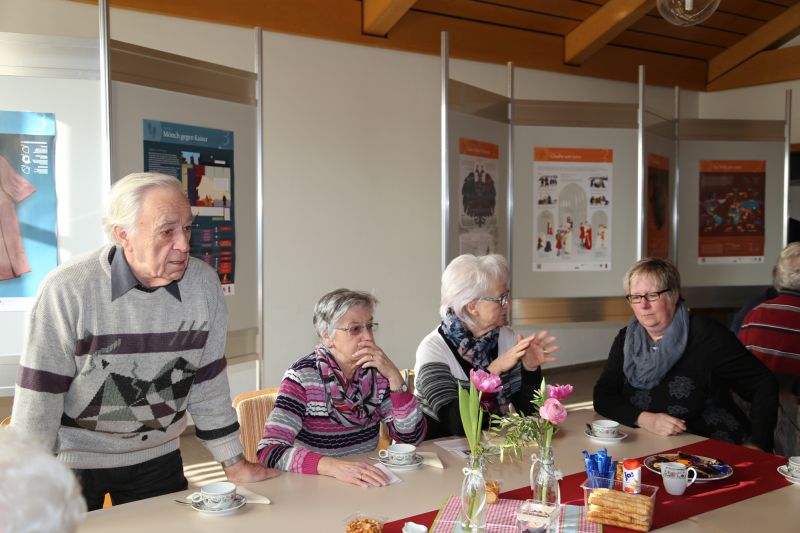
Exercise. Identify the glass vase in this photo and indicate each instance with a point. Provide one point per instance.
(545, 477)
(473, 495)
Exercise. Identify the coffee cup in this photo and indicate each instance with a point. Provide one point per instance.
(793, 465)
(676, 477)
(216, 496)
(399, 454)
(605, 429)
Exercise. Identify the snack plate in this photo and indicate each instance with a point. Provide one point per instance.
(720, 469)
(238, 503)
(412, 466)
(621, 435)
(784, 471)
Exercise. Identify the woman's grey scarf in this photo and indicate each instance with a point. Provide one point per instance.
(646, 363)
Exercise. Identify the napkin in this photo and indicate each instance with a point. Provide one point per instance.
(391, 476)
(431, 459)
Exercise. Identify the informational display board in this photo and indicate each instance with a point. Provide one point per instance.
(658, 207)
(477, 213)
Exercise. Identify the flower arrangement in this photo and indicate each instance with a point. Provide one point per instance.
(520, 431)
(471, 408)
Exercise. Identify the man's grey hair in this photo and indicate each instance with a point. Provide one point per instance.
(38, 492)
(334, 305)
(662, 271)
(469, 277)
(786, 274)
(125, 200)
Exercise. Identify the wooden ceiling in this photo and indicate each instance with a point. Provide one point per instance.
(737, 47)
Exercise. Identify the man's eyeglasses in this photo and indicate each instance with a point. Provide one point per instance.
(650, 296)
(502, 299)
(356, 330)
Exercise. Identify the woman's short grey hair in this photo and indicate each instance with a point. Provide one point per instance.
(334, 305)
(38, 492)
(662, 271)
(125, 199)
(786, 274)
(467, 278)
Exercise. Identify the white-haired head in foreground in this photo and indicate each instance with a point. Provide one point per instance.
(467, 278)
(125, 199)
(38, 493)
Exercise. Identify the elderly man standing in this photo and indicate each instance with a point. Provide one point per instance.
(121, 343)
(771, 331)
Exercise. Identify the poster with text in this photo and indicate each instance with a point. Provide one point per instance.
(202, 158)
(658, 206)
(572, 209)
(731, 228)
(28, 244)
(478, 164)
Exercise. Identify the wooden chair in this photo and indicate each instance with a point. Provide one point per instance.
(385, 440)
(252, 410)
(5, 422)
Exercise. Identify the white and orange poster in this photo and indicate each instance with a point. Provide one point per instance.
(572, 209)
(478, 165)
(658, 206)
(731, 228)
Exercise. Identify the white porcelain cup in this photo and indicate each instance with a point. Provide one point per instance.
(605, 429)
(399, 454)
(793, 465)
(216, 496)
(413, 527)
(676, 477)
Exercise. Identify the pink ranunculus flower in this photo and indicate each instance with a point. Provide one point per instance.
(553, 411)
(485, 381)
(559, 392)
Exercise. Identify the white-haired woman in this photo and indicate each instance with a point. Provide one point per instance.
(473, 335)
(331, 402)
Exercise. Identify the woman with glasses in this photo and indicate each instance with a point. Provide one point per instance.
(331, 402)
(671, 370)
(473, 335)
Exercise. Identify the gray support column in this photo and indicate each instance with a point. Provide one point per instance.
(105, 95)
(259, 208)
(445, 154)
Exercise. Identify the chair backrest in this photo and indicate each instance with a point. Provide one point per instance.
(252, 410)
(5, 422)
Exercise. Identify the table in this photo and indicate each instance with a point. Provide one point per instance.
(318, 503)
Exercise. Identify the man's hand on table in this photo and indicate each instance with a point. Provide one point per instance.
(246, 472)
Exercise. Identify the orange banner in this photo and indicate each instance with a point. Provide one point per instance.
(657, 161)
(478, 148)
(733, 166)
(574, 155)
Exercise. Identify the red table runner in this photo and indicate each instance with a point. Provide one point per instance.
(754, 473)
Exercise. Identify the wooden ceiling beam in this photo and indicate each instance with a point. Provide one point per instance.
(777, 30)
(380, 16)
(602, 27)
(772, 66)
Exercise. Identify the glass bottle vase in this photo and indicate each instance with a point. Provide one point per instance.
(545, 477)
(473, 495)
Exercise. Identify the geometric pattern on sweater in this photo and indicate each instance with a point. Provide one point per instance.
(152, 404)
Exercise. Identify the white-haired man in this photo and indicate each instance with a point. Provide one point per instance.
(121, 343)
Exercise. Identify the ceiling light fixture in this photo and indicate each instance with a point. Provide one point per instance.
(686, 12)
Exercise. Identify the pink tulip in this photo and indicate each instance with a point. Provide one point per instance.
(559, 392)
(485, 381)
(553, 411)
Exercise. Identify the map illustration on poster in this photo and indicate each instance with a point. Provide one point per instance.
(28, 243)
(478, 177)
(572, 209)
(658, 206)
(731, 228)
(202, 158)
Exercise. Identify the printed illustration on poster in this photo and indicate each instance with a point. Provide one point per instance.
(732, 208)
(572, 209)
(658, 206)
(478, 164)
(28, 243)
(202, 158)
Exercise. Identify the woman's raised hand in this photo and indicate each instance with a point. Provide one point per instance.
(360, 474)
(533, 351)
(370, 355)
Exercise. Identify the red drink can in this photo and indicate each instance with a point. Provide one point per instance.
(632, 476)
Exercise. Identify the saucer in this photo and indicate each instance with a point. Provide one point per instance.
(238, 503)
(621, 435)
(411, 466)
(784, 471)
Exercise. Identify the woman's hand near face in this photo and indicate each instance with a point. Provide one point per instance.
(539, 350)
(508, 360)
(661, 423)
(370, 355)
(360, 474)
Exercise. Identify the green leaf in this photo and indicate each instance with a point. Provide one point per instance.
(466, 418)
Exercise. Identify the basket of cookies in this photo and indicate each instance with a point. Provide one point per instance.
(363, 523)
(606, 503)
